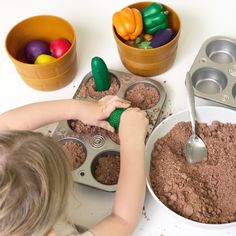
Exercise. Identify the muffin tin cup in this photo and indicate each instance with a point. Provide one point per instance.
(97, 143)
(213, 72)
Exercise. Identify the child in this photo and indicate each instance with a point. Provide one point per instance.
(35, 174)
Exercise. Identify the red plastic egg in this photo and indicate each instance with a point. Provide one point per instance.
(59, 47)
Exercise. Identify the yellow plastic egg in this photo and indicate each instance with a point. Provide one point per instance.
(44, 59)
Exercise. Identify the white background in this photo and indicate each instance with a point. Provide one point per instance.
(91, 19)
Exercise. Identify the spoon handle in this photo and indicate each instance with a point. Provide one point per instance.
(191, 100)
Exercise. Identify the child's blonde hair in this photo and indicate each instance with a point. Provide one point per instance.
(35, 180)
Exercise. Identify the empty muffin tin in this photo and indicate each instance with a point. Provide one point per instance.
(213, 72)
(95, 145)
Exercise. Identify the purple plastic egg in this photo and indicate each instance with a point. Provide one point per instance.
(35, 48)
(162, 37)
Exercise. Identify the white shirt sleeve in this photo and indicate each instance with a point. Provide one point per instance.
(65, 228)
(84, 234)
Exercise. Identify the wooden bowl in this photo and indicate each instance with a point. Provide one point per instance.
(154, 61)
(45, 77)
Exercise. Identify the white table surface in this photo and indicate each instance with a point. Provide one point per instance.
(91, 19)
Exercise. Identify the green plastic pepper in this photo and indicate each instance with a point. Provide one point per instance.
(154, 18)
(100, 74)
(114, 118)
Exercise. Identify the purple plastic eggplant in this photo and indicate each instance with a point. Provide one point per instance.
(162, 37)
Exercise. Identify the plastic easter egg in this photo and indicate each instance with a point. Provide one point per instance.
(44, 59)
(35, 48)
(59, 47)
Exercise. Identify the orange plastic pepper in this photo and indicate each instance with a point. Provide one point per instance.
(128, 23)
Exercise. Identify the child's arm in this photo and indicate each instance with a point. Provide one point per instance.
(36, 115)
(131, 185)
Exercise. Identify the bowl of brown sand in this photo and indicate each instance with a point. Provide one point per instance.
(203, 193)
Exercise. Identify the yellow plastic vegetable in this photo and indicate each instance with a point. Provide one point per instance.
(128, 23)
(148, 37)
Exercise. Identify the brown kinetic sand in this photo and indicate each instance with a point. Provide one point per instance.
(107, 169)
(81, 128)
(114, 137)
(143, 96)
(77, 153)
(206, 191)
(88, 89)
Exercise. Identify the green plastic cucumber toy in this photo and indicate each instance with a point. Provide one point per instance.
(100, 74)
(114, 118)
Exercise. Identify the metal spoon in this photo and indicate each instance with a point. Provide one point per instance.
(195, 149)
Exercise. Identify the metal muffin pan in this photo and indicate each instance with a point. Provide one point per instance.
(97, 144)
(213, 72)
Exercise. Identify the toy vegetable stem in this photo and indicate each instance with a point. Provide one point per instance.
(100, 74)
(154, 18)
(114, 118)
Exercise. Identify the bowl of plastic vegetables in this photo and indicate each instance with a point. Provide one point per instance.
(146, 34)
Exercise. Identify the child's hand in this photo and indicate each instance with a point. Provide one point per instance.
(133, 126)
(97, 112)
(51, 233)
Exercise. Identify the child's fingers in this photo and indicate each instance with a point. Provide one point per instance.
(121, 104)
(134, 109)
(112, 105)
(51, 233)
(114, 98)
(119, 100)
(105, 125)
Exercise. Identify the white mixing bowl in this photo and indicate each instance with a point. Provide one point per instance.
(205, 114)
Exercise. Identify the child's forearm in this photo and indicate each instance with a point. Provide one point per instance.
(131, 186)
(36, 115)
(129, 195)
